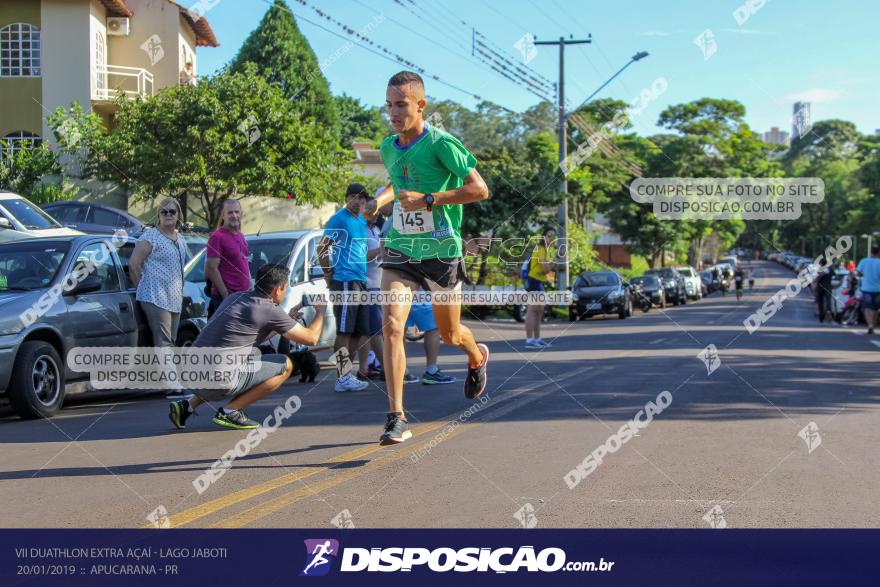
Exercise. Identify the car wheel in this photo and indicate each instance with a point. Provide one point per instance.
(519, 313)
(186, 337)
(37, 385)
(684, 299)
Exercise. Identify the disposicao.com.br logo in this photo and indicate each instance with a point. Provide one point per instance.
(442, 560)
(320, 554)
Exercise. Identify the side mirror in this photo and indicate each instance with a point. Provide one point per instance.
(4, 223)
(88, 285)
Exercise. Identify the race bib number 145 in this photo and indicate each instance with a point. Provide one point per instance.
(415, 222)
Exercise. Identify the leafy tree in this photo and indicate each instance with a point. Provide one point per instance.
(283, 56)
(521, 185)
(712, 140)
(360, 122)
(643, 232)
(486, 127)
(229, 136)
(79, 135)
(541, 117)
(23, 171)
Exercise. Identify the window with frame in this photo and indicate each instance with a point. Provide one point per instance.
(98, 254)
(14, 141)
(20, 50)
(100, 62)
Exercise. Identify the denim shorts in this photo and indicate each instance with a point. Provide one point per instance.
(871, 300)
(422, 315)
(532, 284)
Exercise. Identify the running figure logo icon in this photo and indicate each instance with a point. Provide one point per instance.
(320, 554)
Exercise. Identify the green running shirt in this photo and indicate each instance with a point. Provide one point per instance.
(435, 162)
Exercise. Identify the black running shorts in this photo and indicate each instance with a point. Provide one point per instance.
(431, 274)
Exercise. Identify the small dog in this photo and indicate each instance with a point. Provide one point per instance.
(306, 364)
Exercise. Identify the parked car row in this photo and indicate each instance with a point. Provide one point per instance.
(21, 219)
(606, 292)
(38, 327)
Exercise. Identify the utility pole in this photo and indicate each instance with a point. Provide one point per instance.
(562, 210)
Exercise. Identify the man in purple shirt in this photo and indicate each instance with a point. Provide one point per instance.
(226, 267)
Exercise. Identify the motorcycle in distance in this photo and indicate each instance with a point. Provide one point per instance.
(640, 297)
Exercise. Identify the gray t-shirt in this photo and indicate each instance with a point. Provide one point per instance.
(244, 319)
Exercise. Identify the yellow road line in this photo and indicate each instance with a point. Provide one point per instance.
(209, 507)
(267, 508)
(289, 498)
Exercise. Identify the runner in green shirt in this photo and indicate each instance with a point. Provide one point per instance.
(432, 175)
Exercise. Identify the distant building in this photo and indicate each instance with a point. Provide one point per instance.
(368, 161)
(777, 137)
(801, 122)
(54, 52)
(609, 246)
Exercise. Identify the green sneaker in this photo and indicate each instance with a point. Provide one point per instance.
(236, 419)
(179, 412)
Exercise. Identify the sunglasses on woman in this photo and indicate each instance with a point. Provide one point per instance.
(170, 212)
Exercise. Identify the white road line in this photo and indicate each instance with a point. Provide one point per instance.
(658, 341)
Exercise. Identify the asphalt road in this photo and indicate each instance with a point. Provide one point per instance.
(725, 451)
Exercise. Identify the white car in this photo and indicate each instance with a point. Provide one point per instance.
(20, 219)
(692, 283)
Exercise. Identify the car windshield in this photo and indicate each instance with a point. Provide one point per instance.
(664, 273)
(262, 250)
(686, 271)
(647, 280)
(30, 265)
(29, 215)
(597, 280)
(276, 251)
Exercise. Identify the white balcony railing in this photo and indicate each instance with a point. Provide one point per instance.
(110, 80)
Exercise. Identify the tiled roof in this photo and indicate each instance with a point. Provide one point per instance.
(116, 8)
(199, 24)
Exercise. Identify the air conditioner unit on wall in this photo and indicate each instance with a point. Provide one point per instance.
(118, 26)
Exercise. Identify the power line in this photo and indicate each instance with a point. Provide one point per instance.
(450, 32)
(522, 69)
(394, 58)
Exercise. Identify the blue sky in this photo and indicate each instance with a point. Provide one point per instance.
(786, 50)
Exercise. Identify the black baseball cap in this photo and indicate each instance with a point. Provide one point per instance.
(356, 189)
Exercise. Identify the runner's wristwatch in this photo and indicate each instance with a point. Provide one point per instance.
(429, 201)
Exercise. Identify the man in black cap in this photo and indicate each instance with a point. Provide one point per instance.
(342, 254)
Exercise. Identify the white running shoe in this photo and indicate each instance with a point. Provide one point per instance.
(350, 383)
(533, 345)
(542, 342)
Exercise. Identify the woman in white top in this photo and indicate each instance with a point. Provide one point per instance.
(157, 270)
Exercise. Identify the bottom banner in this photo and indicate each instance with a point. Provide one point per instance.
(436, 557)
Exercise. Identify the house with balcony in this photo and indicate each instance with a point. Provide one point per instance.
(53, 52)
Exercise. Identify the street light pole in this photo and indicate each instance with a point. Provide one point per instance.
(633, 59)
(562, 209)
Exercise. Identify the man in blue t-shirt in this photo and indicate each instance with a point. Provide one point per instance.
(869, 270)
(342, 254)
